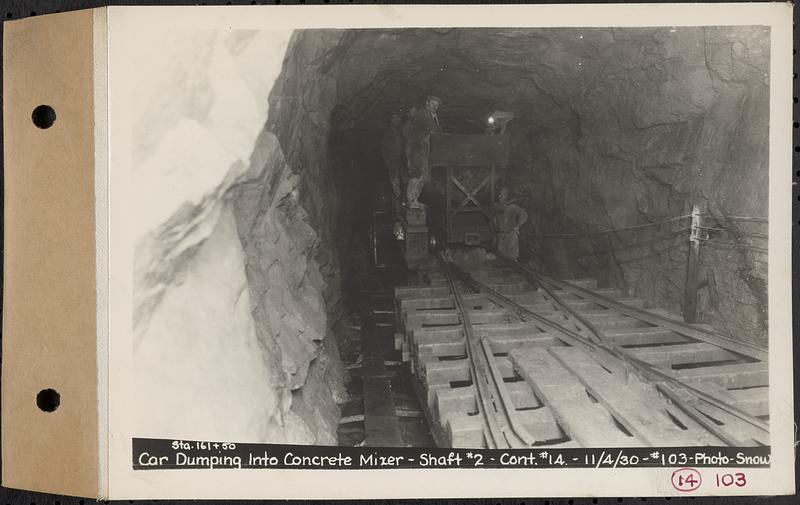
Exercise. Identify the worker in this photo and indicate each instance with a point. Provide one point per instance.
(508, 219)
(418, 145)
(410, 115)
(497, 122)
(392, 151)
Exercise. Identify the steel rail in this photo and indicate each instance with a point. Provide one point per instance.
(642, 368)
(623, 355)
(513, 433)
(620, 353)
(507, 402)
(495, 438)
(689, 330)
(697, 415)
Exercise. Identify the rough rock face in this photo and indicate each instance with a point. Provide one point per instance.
(233, 336)
(671, 119)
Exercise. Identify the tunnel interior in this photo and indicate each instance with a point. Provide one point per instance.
(613, 128)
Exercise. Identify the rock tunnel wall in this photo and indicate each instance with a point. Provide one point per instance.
(612, 128)
(662, 121)
(236, 293)
(250, 188)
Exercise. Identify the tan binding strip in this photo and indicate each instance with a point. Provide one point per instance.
(49, 333)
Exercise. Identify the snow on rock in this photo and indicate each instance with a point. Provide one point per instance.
(229, 307)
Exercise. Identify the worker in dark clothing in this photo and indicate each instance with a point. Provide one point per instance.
(392, 151)
(418, 144)
(497, 122)
(508, 218)
(410, 115)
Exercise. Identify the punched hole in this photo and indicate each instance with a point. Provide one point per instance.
(48, 400)
(43, 116)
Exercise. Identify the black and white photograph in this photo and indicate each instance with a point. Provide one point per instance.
(460, 237)
(481, 236)
(341, 252)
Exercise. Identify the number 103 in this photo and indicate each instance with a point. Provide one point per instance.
(737, 479)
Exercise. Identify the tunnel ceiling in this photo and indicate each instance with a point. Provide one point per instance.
(545, 76)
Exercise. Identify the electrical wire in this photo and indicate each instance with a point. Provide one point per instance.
(739, 218)
(651, 254)
(737, 232)
(733, 244)
(612, 230)
(667, 236)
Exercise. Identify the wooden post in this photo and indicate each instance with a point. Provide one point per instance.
(692, 269)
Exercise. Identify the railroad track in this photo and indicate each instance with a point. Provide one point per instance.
(505, 357)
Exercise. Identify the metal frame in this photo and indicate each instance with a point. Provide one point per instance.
(459, 234)
(469, 152)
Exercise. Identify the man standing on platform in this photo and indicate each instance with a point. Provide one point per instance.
(418, 145)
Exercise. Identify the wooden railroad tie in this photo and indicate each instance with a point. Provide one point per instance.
(560, 393)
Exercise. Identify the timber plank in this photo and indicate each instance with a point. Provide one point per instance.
(644, 336)
(491, 331)
(443, 317)
(463, 399)
(586, 283)
(548, 305)
(627, 403)
(441, 302)
(693, 331)
(748, 434)
(433, 335)
(403, 292)
(541, 424)
(584, 421)
(510, 288)
(754, 401)
(457, 370)
(668, 355)
(522, 396)
(449, 348)
(512, 329)
(570, 444)
(740, 375)
(498, 277)
(631, 302)
(456, 401)
(695, 430)
(466, 431)
(505, 344)
(566, 294)
(610, 319)
(445, 372)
